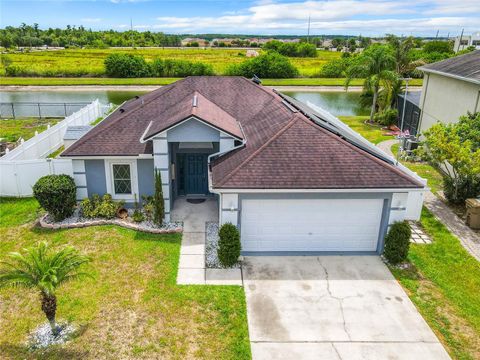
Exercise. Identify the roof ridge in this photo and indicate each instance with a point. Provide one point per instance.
(259, 150)
(85, 138)
(361, 151)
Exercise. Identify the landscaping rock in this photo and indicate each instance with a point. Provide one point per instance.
(76, 221)
(43, 337)
(211, 246)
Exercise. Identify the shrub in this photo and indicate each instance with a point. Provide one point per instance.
(397, 243)
(148, 207)
(179, 68)
(56, 194)
(158, 202)
(270, 65)
(126, 66)
(335, 68)
(386, 117)
(97, 207)
(229, 245)
(137, 213)
(459, 189)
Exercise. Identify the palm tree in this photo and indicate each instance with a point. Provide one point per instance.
(376, 66)
(404, 64)
(45, 271)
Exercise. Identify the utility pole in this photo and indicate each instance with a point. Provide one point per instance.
(308, 31)
(460, 41)
(436, 36)
(403, 114)
(131, 33)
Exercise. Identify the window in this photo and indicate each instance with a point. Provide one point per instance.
(122, 182)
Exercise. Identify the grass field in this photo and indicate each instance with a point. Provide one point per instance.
(132, 309)
(13, 129)
(89, 62)
(372, 133)
(443, 283)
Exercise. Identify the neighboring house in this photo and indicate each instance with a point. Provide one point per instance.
(189, 41)
(467, 40)
(293, 179)
(450, 89)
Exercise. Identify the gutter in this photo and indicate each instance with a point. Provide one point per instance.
(457, 77)
(220, 153)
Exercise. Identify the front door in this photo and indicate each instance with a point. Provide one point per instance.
(196, 174)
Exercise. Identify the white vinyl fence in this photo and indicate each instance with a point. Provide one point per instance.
(45, 143)
(22, 167)
(17, 177)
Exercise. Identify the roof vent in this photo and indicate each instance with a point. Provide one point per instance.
(122, 110)
(256, 79)
(195, 100)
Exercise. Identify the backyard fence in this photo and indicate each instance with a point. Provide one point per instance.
(17, 177)
(14, 110)
(22, 167)
(43, 144)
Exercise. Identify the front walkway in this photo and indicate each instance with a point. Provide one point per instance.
(469, 239)
(332, 307)
(191, 267)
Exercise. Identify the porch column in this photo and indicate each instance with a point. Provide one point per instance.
(162, 163)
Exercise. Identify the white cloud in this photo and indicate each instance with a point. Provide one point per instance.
(91, 20)
(347, 16)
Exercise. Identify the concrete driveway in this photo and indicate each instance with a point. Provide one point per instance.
(332, 307)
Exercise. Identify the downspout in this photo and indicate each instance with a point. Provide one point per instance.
(220, 153)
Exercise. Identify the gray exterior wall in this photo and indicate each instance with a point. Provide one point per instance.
(95, 173)
(146, 179)
(193, 131)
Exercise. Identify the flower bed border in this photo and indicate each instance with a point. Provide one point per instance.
(95, 222)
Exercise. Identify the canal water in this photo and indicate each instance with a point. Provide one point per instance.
(338, 102)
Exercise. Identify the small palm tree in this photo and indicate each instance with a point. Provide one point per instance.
(376, 65)
(45, 271)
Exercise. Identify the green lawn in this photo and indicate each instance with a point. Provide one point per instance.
(131, 309)
(372, 133)
(426, 171)
(444, 284)
(13, 129)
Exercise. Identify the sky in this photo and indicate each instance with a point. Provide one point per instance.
(264, 17)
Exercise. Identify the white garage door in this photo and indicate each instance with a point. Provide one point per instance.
(311, 224)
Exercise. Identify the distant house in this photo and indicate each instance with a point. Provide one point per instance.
(451, 88)
(252, 53)
(467, 40)
(190, 41)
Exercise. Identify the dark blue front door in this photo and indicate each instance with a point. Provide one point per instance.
(196, 174)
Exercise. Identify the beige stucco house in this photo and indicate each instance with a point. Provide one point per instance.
(451, 88)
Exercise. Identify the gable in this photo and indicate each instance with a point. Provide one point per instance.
(192, 130)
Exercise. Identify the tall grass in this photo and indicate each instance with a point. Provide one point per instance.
(89, 62)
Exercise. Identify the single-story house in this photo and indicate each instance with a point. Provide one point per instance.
(293, 179)
(450, 89)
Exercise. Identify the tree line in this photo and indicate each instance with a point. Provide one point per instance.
(72, 36)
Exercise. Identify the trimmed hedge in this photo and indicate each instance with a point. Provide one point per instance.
(229, 245)
(57, 195)
(397, 243)
(271, 65)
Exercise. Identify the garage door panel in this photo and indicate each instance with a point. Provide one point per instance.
(311, 224)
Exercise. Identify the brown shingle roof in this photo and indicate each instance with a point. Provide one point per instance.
(284, 149)
(200, 107)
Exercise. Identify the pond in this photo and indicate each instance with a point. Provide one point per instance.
(337, 102)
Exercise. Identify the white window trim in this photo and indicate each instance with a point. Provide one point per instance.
(133, 176)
